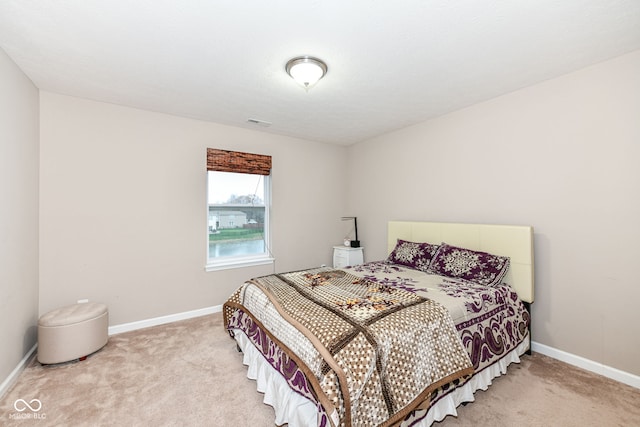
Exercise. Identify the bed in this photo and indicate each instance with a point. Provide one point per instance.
(400, 341)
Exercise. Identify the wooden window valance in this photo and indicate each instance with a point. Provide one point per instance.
(236, 161)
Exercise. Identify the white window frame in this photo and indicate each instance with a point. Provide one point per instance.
(229, 262)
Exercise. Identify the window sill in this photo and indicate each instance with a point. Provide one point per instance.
(230, 263)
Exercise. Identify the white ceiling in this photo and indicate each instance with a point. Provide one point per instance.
(391, 63)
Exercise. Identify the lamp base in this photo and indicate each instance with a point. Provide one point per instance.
(355, 243)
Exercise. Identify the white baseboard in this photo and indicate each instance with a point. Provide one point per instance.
(13, 376)
(126, 327)
(581, 362)
(589, 365)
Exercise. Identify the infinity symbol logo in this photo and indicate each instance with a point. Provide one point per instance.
(24, 405)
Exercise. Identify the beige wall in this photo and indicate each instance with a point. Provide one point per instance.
(18, 215)
(562, 156)
(123, 215)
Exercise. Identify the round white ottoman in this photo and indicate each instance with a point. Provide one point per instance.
(72, 332)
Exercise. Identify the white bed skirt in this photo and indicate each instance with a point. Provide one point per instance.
(298, 411)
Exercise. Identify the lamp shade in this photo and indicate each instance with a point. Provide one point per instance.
(306, 70)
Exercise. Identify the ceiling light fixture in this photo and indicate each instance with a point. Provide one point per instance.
(306, 70)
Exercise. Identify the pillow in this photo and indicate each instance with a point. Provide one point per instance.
(479, 267)
(411, 254)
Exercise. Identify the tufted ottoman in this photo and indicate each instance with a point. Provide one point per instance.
(72, 332)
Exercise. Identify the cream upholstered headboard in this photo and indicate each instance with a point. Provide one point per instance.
(514, 241)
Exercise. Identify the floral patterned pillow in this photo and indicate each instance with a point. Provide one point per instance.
(479, 267)
(411, 254)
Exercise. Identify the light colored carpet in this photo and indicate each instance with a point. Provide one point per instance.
(189, 373)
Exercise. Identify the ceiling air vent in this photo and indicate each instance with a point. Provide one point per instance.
(259, 122)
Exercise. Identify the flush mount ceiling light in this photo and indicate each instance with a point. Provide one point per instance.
(306, 70)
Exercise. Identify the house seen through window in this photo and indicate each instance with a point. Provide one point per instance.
(238, 215)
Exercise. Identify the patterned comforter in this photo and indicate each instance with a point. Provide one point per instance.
(373, 343)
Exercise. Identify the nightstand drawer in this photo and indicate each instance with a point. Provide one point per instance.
(344, 256)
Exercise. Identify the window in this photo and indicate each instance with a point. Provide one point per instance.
(238, 201)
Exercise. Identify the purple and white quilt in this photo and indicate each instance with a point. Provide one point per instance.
(490, 322)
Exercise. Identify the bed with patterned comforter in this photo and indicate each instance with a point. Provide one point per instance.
(379, 343)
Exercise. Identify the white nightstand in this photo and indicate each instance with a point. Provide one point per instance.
(344, 256)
